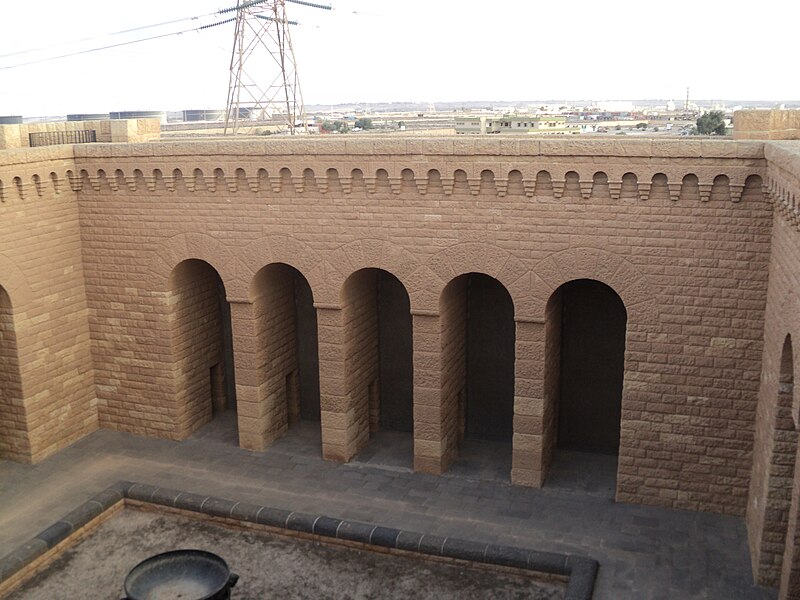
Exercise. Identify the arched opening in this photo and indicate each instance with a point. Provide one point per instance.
(14, 443)
(584, 370)
(202, 350)
(379, 365)
(287, 357)
(478, 333)
(784, 486)
(781, 474)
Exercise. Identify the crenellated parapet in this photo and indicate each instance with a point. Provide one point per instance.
(636, 170)
(783, 179)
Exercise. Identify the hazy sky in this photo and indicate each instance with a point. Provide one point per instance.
(414, 50)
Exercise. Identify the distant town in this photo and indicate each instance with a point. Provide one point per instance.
(552, 118)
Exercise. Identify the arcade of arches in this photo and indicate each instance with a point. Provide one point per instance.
(280, 384)
(438, 303)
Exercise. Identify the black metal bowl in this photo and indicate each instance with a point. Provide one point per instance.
(180, 575)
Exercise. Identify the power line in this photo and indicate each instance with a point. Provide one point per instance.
(118, 45)
(145, 27)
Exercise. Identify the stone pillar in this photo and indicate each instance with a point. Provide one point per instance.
(790, 573)
(434, 450)
(339, 423)
(250, 410)
(529, 459)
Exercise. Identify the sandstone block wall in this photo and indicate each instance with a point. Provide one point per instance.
(195, 293)
(277, 348)
(766, 124)
(362, 348)
(45, 315)
(773, 501)
(122, 131)
(679, 229)
(14, 429)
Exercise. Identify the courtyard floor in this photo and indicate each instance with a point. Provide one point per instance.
(645, 553)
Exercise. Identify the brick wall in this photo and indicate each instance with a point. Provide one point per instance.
(667, 225)
(453, 316)
(276, 328)
(14, 442)
(362, 350)
(41, 271)
(772, 500)
(197, 346)
(679, 229)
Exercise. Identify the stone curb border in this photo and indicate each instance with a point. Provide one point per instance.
(581, 571)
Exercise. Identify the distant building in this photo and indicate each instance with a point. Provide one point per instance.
(541, 124)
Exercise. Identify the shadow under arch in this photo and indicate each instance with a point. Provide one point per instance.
(286, 353)
(477, 382)
(14, 439)
(202, 346)
(585, 330)
(376, 315)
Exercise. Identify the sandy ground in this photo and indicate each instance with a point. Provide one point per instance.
(269, 567)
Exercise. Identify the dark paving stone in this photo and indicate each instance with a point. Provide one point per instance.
(219, 507)
(355, 532)
(431, 544)
(384, 536)
(245, 512)
(55, 533)
(301, 522)
(274, 517)
(671, 553)
(327, 526)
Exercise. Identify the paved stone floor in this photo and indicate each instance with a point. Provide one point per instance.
(645, 553)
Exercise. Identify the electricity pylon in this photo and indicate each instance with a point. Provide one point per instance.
(263, 81)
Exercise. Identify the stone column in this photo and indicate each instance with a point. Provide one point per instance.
(339, 423)
(250, 410)
(790, 573)
(434, 451)
(529, 459)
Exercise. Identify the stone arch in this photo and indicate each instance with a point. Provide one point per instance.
(376, 322)
(14, 440)
(690, 188)
(292, 252)
(201, 344)
(277, 343)
(585, 334)
(780, 475)
(720, 188)
(593, 263)
(371, 253)
(572, 187)
(477, 334)
(516, 183)
(15, 284)
(600, 185)
(630, 186)
(199, 246)
(427, 283)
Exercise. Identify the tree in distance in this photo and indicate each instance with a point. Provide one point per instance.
(364, 123)
(337, 126)
(641, 126)
(711, 123)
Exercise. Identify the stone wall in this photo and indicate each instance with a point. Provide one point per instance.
(195, 292)
(45, 312)
(276, 330)
(679, 229)
(362, 351)
(121, 131)
(773, 504)
(766, 124)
